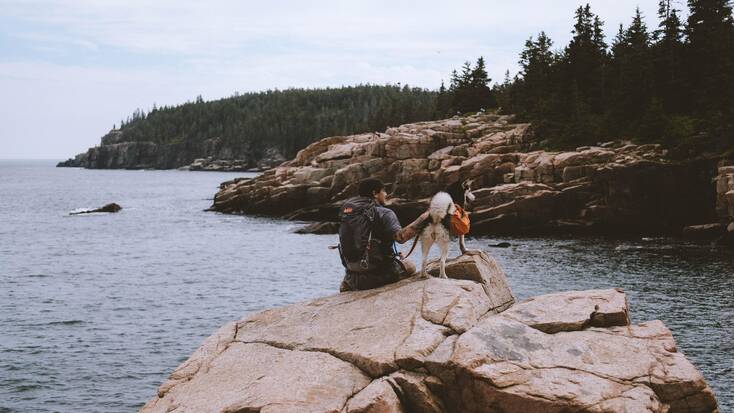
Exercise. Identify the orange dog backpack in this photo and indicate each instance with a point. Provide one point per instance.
(459, 221)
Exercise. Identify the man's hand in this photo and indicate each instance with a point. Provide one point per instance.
(424, 216)
(411, 230)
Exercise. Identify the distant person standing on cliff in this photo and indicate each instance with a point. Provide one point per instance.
(367, 237)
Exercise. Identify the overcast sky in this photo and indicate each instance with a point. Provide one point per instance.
(70, 69)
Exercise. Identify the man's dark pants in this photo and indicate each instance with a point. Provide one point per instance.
(396, 270)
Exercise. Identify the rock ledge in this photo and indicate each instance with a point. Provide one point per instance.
(456, 345)
(617, 187)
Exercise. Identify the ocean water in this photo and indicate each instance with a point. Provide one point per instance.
(96, 310)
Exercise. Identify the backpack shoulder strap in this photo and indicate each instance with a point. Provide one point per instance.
(371, 211)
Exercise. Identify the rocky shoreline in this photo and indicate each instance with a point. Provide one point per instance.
(433, 345)
(614, 188)
(209, 155)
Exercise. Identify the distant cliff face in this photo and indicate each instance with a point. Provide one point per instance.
(210, 154)
(253, 130)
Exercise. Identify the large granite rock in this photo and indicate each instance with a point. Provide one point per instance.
(724, 182)
(619, 187)
(721, 231)
(433, 345)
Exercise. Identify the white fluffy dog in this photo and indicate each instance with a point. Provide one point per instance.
(437, 230)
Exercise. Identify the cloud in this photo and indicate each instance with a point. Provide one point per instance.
(83, 64)
(222, 28)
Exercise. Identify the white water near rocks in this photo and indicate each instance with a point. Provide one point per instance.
(96, 310)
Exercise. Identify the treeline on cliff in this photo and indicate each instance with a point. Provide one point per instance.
(671, 84)
(468, 91)
(287, 120)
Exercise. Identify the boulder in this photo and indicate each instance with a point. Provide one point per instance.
(336, 151)
(221, 165)
(435, 345)
(705, 231)
(584, 157)
(249, 377)
(109, 208)
(378, 397)
(615, 369)
(572, 311)
(310, 174)
(406, 146)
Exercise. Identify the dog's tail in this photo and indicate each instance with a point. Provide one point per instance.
(441, 205)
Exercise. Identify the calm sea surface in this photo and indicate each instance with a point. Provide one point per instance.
(96, 310)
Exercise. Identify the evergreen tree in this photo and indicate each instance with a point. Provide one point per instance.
(631, 76)
(655, 123)
(536, 63)
(504, 94)
(667, 59)
(481, 95)
(585, 58)
(248, 124)
(479, 77)
(470, 91)
(465, 77)
(710, 54)
(442, 101)
(672, 85)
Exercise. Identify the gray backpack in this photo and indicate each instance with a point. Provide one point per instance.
(359, 250)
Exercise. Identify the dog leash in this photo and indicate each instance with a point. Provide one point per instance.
(415, 242)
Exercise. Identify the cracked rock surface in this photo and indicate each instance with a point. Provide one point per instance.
(433, 345)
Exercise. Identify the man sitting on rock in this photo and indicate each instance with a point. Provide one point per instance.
(367, 236)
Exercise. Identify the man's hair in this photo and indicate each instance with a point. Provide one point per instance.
(369, 186)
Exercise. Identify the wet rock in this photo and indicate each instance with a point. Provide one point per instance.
(706, 231)
(319, 228)
(434, 345)
(231, 182)
(109, 208)
(219, 165)
(724, 183)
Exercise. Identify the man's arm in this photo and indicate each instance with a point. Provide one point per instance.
(407, 233)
